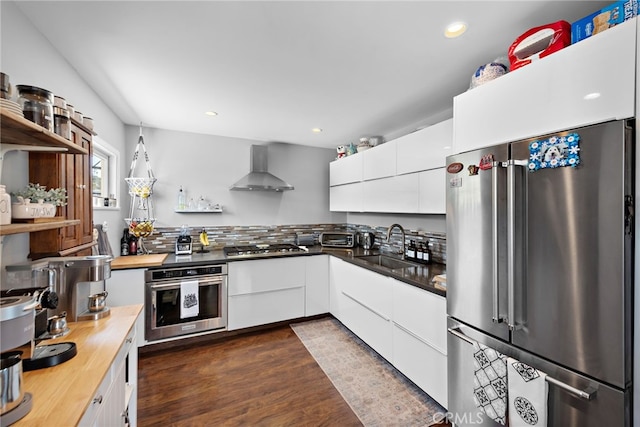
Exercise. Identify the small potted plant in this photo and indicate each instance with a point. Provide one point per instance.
(44, 201)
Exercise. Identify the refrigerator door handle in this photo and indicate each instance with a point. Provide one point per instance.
(456, 332)
(511, 241)
(495, 242)
(588, 394)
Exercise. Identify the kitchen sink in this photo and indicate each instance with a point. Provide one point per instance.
(385, 261)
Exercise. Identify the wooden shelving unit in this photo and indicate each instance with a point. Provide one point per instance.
(28, 228)
(20, 131)
(16, 130)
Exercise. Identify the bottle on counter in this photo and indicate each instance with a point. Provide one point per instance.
(182, 200)
(410, 252)
(133, 245)
(427, 254)
(124, 243)
(420, 252)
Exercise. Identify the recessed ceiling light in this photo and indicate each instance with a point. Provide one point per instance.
(455, 29)
(211, 113)
(592, 95)
(316, 130)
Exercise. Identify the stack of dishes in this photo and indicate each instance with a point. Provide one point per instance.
(11, 106)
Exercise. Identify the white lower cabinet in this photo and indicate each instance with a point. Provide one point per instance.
(404, 324)
(316, 285)
(115, 401)
(126, 287)
(420, 338)
(265, 291)
(361, 300)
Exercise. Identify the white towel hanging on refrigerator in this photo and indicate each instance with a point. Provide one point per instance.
(490, 382)
(528, 391)
(189, 303)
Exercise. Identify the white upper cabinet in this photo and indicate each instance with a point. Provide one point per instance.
(379, 161)
(589, 82)
(345, 170)
(424, 149)
(432, 191)
(397, 194)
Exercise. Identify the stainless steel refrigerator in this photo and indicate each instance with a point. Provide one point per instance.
(540, 248)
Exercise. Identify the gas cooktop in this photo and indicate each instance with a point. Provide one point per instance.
(262, 250)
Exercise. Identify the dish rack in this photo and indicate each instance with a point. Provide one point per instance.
(141, 218)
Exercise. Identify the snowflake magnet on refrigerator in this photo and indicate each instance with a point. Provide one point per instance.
(554, 152)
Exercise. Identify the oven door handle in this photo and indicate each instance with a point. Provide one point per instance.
(176, 284)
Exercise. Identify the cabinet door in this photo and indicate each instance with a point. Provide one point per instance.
(346, 198)
(126, 287)
(580, 85)
(394, 194)
(422, 313)
(379, 161)
(72, 172)
(425, 149)
(421, 363)
(345, 170)
(432, 194)
(317, 285)
(265, 291)
(361, 300)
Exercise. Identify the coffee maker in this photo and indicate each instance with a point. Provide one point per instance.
(73, 279)
(16, 328)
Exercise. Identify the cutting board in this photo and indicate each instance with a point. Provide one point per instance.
(138, 261)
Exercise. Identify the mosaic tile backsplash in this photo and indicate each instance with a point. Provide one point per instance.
(162, 240)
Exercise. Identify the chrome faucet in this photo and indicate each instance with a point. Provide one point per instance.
(391, 227)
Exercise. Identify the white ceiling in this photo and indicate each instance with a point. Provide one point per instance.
(275, 70)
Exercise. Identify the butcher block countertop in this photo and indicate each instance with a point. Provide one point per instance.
(138, 261)
(61, 394)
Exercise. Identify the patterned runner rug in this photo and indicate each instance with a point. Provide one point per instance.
(378, 394)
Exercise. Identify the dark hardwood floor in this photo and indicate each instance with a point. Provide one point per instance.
(265, 378)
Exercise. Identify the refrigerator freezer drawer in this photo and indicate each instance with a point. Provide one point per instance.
(607, 405)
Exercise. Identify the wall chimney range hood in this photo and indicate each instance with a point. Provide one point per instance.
(258, 178)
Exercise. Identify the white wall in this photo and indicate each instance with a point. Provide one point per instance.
(28, 58)
(208, 165)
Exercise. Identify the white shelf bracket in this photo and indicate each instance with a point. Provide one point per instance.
(5, 148)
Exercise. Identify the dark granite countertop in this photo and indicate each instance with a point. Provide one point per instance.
(420, 275)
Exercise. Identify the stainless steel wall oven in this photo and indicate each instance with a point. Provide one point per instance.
(185, 300)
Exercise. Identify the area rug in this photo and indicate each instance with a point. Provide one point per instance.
(376, 392)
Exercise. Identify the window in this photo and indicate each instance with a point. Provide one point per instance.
(104, 174)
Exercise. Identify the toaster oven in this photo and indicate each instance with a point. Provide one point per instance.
(338, 239)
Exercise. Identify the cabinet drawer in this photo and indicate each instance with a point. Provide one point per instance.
(422, 313)
(369, 325)
(371, 289)
(246, 277)
(89, 418)
(421, 363)
(264, 308)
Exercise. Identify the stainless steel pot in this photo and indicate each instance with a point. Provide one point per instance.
(57, 323)
(97, 302)
(10, 380)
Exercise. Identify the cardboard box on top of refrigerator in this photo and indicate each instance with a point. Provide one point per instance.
(603, 19)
